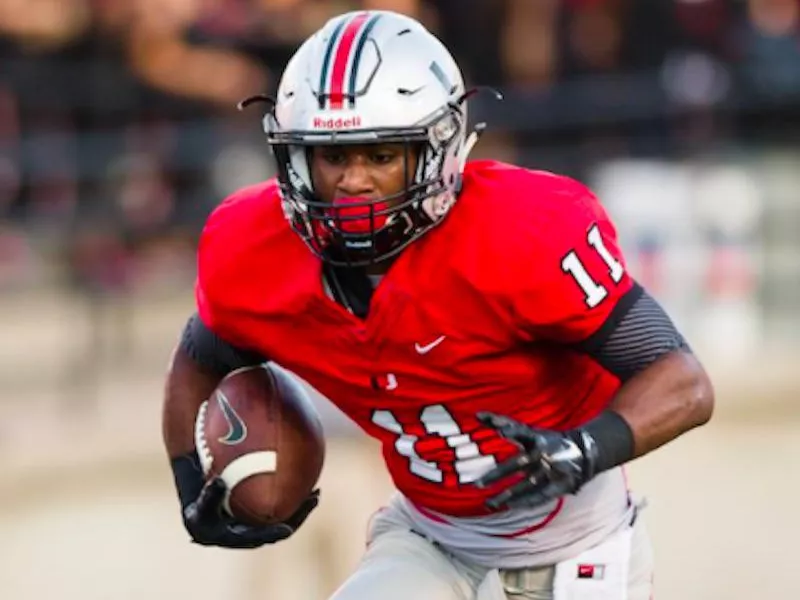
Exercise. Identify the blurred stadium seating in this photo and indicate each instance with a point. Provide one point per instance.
(118, 134)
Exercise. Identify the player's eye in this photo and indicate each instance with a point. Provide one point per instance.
(383, 157)
(333, 156)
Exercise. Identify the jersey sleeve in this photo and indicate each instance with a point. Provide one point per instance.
(571, 275)
(212, 297)
(212, 315)
(224, 287)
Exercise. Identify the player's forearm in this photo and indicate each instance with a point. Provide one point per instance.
(187, 386)
(665, 400)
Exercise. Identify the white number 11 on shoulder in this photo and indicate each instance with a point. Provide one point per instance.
(595, 292)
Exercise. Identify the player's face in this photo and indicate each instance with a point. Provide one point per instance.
(368, 171)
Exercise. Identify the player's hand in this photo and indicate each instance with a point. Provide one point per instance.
(551, 463)
(209, 525)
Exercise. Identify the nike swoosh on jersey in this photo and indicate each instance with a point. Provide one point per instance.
(237, 430)
(428, 347)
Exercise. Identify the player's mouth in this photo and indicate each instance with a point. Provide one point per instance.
(358, 214)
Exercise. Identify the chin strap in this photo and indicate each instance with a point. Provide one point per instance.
(258, 98)
(476, 133)
(469, 143)
(477, 90)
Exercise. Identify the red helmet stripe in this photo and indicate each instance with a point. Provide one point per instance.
(342, 57)
(351, 92)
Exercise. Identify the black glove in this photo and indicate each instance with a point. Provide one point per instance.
(552, 463)
(209, 525)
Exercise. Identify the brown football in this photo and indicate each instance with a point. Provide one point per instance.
(261, 434)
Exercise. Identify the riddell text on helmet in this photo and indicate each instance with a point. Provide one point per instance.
(336, 122)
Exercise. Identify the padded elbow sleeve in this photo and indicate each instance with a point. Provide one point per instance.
(212, 352)
(637, 333)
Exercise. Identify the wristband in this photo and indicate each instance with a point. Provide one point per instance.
(189, 479)
(612, 437)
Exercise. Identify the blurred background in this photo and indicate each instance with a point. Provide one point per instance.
(118, 135)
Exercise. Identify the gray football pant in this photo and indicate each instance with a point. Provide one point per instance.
(401, 565)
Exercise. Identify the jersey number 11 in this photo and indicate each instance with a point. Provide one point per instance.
(594, 292)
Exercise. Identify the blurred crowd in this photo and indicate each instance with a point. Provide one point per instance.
(119, 133)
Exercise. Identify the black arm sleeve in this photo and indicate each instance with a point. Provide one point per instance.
(636, 334)
(212, 352)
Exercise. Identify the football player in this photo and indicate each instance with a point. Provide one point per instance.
(475, 317)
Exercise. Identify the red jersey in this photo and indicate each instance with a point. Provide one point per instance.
(477, 315)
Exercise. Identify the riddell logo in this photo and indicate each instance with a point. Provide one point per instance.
(337, 123)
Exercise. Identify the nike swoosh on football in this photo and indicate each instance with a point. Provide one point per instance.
(237, 430)
(428, 347)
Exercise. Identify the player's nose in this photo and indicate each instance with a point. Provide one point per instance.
(355, 180)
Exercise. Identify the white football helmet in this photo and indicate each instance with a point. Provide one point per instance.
(370, 77)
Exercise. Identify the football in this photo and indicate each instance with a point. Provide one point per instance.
(260, 433)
